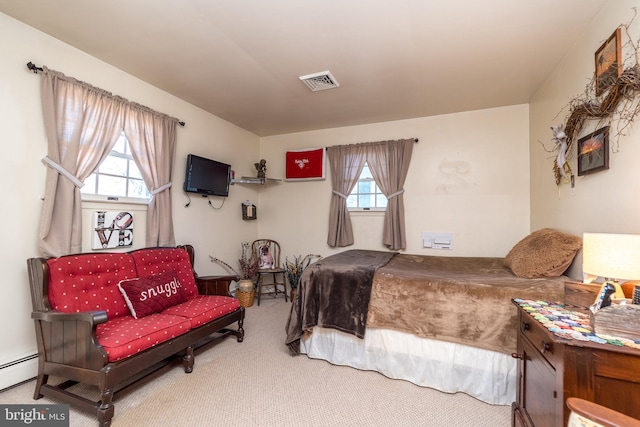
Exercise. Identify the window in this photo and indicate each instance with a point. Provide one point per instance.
(366, 195)
(117, 175)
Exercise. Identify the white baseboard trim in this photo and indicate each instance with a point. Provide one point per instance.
(18, 371)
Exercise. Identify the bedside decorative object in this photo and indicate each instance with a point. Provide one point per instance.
(618, 320)
(614, 257)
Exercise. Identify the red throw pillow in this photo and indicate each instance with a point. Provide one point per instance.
(152, 294)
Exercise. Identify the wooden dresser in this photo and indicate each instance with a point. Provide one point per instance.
(552, 369)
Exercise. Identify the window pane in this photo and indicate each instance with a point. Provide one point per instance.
(381, 201)
(366, 173)
(137, 189)
(112, 175)
(352, 201)
(114, 166)
(112, 186)
(364, 201)
(89, 185)
(134, 172)
(365, 186)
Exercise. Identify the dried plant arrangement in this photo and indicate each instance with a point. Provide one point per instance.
(248, 264)
(617, 107)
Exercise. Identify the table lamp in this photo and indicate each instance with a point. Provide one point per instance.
(611, 256)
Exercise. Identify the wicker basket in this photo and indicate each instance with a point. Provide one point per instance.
(246, 298)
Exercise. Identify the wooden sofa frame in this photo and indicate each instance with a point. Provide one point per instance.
(68, 348)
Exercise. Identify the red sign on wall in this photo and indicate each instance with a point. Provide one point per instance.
(305, 164)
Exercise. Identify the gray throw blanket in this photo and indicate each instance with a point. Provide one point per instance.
(334, 293)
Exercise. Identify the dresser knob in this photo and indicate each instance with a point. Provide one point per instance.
(525, 326)
(517, 356)
(545, 347)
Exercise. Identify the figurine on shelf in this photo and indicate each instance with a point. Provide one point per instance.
(261, 168)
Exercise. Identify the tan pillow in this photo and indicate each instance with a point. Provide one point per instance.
(543, 253)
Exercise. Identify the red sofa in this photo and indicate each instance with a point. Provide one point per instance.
(111, 319)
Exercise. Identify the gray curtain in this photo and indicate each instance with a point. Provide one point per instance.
(389, 164)
(152, 137)
(346, 163)
(82, 124)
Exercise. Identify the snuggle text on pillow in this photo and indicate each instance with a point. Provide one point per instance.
(167, 289)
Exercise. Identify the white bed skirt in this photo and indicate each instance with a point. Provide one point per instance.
(486, 375)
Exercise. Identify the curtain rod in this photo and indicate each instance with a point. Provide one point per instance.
(414, 140)
(33, 67)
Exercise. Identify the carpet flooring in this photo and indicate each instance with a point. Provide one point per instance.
(258, 383)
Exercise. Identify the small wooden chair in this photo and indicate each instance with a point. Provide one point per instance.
(268, 252)
(585, 413)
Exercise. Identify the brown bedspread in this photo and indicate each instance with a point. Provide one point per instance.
(463, 300)
(334, 293)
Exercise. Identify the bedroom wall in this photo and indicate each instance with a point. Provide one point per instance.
(468, 176)
(606, 201)
(22, 175)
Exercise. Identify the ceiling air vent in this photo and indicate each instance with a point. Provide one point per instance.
(320, 81)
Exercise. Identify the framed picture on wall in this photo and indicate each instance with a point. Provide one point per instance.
(608, 63)
(593, 152)
(303, 165)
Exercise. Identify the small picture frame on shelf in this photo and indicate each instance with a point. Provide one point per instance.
(608, 63)
(593, 152)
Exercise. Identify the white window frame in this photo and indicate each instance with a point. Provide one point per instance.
(117, 198)
(354, 194)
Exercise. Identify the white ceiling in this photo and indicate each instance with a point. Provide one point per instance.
(394, 59)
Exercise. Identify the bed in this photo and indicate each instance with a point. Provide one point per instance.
(441, 322)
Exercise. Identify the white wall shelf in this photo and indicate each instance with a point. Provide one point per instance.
(253, 180)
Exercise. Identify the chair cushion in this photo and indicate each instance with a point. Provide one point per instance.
(89, 282)
(204, 308)
(149, 262)
(125, 336)
(148, 295)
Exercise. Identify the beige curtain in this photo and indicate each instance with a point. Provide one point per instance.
(346, 163)
(82, 124)
(389, 164)
(152, 137)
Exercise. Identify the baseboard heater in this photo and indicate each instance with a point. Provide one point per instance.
(21, 375)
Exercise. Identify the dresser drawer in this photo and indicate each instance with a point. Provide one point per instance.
(539, 338)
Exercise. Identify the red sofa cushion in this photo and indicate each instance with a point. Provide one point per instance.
(125, 336)
(153, 261)
(148, 295)
(89, 282)
(204, 308)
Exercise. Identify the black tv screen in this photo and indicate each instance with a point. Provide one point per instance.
(207, 177)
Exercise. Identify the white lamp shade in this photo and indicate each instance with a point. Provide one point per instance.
(612, 256)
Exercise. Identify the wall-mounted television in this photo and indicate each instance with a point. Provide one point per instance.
(207, 177)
